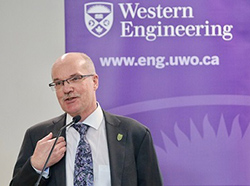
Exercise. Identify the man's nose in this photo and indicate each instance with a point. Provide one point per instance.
(67, 87)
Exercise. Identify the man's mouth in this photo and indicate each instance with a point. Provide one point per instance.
(70, 98)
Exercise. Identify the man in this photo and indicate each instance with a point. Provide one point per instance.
(122, 152)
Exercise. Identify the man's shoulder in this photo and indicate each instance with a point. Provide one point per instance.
(47, 125)
(124, 122)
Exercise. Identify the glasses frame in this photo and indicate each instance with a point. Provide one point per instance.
(52, 85)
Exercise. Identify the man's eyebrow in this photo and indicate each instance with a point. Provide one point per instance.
(57, 79)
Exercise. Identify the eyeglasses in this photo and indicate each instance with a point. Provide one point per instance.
(58, 84)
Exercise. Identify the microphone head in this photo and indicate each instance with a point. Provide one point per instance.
(76, 118)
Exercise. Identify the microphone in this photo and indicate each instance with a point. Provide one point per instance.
(74, 120)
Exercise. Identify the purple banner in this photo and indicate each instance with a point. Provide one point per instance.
(182, 69)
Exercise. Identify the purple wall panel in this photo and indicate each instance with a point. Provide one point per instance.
(182, 69)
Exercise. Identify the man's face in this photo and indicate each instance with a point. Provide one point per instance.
(77, 98)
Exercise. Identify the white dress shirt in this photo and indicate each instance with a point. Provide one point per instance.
(96, 136)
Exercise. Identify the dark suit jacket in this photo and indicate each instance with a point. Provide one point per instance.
(132, 159)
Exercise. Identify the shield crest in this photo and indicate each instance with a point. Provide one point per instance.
(98, 17)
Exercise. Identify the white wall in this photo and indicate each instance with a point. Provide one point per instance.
(31, 38)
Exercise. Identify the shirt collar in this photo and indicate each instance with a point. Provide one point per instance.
(93, 120)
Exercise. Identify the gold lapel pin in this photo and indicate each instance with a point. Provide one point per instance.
(119, 137)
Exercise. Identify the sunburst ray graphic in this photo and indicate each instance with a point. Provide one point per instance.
(212, 159)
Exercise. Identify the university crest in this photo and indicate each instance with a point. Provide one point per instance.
(98, 17)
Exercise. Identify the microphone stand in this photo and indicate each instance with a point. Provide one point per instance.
(75, 120)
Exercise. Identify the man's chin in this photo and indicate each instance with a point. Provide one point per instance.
(71, 111)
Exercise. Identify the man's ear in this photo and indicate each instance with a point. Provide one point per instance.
(96, 82)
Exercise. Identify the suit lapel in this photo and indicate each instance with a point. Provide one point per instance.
(116, 138)
(58, 171)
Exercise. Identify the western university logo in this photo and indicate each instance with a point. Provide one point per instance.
(98, 17)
